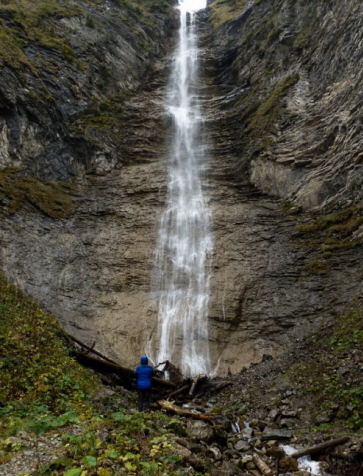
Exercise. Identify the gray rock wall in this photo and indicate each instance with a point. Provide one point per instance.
(291, 75)
(282, 114)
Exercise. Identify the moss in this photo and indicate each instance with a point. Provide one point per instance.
(327, 236)
(227, 10)
(11, 51)
(56, 199)
(107, 116)
(316, 266)
(266, 115)
(34, 359)
(342, 223)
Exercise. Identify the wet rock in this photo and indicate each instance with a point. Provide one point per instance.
(276, 434)
(182, 451)
(289, 414)
(215, 453)
(288, 423)
(231, 453)
(242, 445)
(200, 431)
(288, 464)
(274, 413)
(276, 452)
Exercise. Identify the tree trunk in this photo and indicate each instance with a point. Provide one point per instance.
(321, 447)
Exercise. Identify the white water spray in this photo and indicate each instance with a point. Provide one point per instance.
(185, 244)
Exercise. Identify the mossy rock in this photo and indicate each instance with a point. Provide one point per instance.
(55, 199)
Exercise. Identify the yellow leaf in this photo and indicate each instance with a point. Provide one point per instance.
(129, 466)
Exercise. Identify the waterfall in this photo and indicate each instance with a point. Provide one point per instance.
(185, 244)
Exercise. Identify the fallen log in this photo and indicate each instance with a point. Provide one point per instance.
(221, 386)
(99, 364)
(87, 347)
(261, 465)
(320, 447)
(180, 390)
(179, 411)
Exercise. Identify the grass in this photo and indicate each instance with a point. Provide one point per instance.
(55, 199)
(28, 21)
(32, 22)
(226, 10)
(36, 369)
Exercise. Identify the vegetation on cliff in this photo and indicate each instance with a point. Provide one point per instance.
(36, 368)
(55, 199)
(27, 22)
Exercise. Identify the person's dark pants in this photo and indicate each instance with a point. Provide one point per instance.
(144, 398)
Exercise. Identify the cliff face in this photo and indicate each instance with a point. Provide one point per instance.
(81, 104)
(284, 119)
(291, 73)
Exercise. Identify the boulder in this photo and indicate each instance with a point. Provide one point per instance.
(200, 431)
(276, 434)
(276, 452)
(242, 445)
(288, 464)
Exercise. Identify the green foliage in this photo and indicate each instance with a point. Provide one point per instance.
(37, 375)
(32, 21)
(135, 443)
(226, 10)
(53, 198)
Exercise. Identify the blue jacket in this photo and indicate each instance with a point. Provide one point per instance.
(144, 372)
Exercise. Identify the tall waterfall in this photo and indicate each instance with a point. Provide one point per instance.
(185, 244)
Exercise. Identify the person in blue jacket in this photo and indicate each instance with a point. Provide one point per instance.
(144, 373)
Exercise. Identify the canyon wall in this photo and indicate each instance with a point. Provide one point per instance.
(282, 108)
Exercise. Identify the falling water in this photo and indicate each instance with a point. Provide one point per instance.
(185, 244)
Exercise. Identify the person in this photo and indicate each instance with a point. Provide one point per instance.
(144, 373)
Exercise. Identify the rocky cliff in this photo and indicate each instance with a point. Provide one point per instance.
(82, 148)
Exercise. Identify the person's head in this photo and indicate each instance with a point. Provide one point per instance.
(144, 359)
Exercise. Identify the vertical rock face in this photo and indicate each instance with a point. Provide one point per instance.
(290, 73)
(282, 116)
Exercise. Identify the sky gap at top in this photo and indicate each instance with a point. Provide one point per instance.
(192, 5)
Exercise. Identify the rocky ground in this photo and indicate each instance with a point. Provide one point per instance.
(264, 413)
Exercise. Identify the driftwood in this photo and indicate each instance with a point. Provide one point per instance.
(179, 411)
(321, 447)
(99, 364)
(261, 465)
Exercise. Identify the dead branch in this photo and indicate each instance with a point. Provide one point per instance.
(179, 411)
(320, 447)
(179, 391)
(87, 347)
(261, 465)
